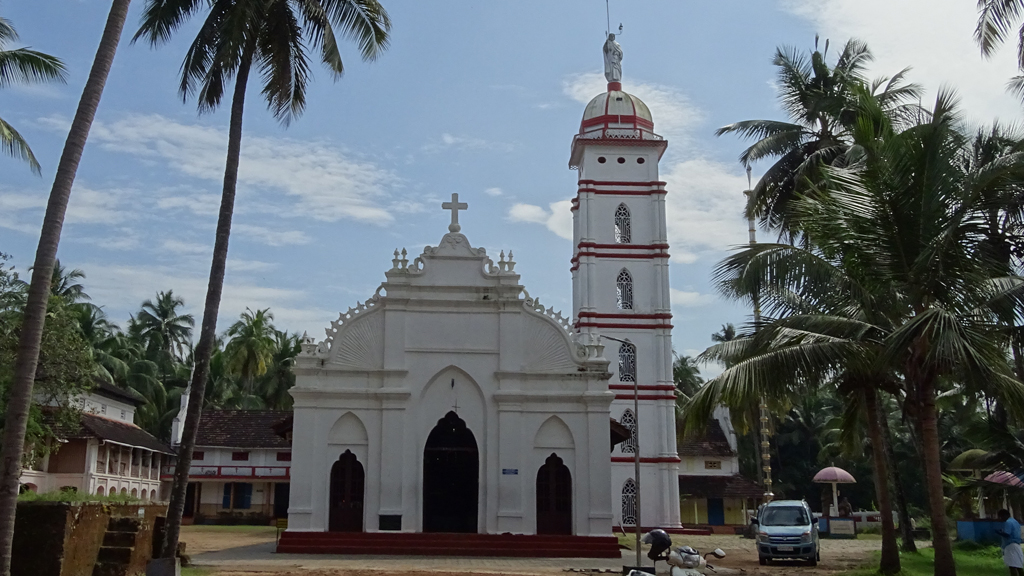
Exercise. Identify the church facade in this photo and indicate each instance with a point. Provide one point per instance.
(453, 401)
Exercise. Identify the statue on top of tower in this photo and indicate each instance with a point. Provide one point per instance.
(612, 59)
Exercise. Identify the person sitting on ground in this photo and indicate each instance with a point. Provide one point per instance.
(1009, 531)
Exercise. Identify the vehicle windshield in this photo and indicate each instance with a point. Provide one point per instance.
(785, 516)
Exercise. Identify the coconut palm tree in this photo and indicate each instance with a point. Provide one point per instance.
(279, 377)
(23, 66)
(250, 349)
(821, 102)
(896, 286)
(274, 36)
(166, 331)
(20, 394)
(65, 284)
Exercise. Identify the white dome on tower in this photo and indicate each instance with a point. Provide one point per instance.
(617, 114)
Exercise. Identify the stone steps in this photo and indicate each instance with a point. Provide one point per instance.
(118, 546)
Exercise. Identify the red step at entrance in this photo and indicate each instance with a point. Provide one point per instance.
(442, 544)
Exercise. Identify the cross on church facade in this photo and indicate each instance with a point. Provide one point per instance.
(454, 206)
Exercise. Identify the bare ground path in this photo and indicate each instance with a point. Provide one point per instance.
(249, 551)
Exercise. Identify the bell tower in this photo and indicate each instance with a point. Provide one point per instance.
(621, 289)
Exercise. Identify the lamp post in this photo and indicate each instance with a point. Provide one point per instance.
(766, 454)
(636, 450)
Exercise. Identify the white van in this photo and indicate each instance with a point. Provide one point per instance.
(786, 530)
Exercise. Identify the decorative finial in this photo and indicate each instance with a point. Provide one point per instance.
(454, 206)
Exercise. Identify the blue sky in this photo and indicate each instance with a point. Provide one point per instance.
(476, 97)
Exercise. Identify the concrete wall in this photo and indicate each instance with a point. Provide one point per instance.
(60, 539)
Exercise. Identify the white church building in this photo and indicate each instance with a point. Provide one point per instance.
(452, 401)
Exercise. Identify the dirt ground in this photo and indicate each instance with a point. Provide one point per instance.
(248, 551)
(199, 539)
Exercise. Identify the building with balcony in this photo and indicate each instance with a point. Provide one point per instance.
(106, 453)
(240, 468)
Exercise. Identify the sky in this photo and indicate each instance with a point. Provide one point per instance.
(481, 98)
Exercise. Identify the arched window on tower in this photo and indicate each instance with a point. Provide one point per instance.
(629, 503)
(628, 420)
(623, 228)
(624, 290)
(627, 363)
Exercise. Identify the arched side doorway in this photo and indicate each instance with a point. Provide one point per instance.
(450, 477)
(554, 497)
(347, 480)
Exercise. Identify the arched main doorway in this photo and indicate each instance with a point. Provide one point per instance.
(554, 497)
(450, 477)
(347, 479)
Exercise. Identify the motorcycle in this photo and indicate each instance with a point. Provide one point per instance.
(683, 560)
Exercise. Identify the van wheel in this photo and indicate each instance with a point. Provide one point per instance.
(817, 556)
(813, 561)
(762, 560)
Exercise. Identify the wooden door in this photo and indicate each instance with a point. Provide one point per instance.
(554, 497)
(347, 484)
(450, 478)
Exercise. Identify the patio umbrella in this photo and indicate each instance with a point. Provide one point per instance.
(834, 475)
(1006, 479)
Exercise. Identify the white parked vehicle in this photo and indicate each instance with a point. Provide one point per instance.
(786, 530)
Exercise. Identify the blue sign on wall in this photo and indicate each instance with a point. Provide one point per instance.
(510, 471)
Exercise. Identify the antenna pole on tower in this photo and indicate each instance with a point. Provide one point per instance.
(763, 415)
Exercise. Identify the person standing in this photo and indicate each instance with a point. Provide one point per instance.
(1013, 555)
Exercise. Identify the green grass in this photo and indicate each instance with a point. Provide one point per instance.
(195, 571)
(969, 560)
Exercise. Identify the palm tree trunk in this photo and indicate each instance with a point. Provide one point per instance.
(20, 398)
(906, 525)
(890, 563)
(208, 333)
(928, 416)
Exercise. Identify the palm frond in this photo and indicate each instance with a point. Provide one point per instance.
(14, 144)
(995, 20)
(364, 21)
(24, 66)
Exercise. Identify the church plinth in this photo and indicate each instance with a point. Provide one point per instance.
(421, 544)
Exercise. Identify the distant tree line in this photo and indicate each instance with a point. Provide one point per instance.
(250, 367)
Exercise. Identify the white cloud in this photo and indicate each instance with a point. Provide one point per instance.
(704, 208)
(675, 116)
(558, 219)
(198, 204)
(87, 206)
(687, 299)
(324, 181)
(249, 265)
(493, 192)
(192, 248)
(131, 285)
(270, 237)
(935, 37)
(449, 141)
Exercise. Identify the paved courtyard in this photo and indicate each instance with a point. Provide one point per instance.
(249, 551)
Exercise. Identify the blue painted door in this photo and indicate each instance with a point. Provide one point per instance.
(716, 512)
